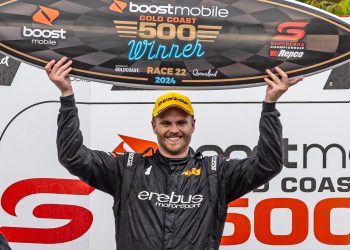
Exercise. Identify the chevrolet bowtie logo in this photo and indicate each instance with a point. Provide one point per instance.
(193, 171)
(46, 15)
(118, 6)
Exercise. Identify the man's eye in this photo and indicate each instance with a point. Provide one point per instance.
(165, 123)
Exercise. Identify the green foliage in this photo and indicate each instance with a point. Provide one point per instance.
(337, 7)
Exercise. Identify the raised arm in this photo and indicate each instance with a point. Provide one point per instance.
(96, 168)
(242, 176)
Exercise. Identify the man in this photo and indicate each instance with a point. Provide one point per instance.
(173, 199)
(4, 245)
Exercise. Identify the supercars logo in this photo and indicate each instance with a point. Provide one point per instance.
(79, 219)
(46, 15)
(118, 6)
(193, 171)
(290, 31)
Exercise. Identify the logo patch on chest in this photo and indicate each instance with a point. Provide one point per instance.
(193, 171)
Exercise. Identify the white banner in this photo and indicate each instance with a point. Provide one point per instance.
(304, 207)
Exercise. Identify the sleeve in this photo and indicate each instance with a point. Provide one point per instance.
(242, 176)
(96, 168)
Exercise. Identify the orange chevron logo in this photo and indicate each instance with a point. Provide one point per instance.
(46, 15)
(118, 6)
(136, 144)
(193, 171)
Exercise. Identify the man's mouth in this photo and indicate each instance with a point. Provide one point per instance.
(174, 138)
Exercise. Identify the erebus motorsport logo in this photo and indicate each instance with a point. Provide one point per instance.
(169, 9)
(173, 200)
(288, 43)
(44, 36)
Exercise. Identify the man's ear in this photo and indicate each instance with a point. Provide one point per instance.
(153, 122)
(193, 124)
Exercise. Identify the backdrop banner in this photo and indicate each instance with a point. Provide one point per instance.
(306, 206)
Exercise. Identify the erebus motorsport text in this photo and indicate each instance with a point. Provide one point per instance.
(173, 200)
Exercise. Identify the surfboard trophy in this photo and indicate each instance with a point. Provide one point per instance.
(178, 45)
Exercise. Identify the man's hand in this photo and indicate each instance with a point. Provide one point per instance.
(277, 86)
(58, 74)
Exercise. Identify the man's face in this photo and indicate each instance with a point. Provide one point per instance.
(174, 128)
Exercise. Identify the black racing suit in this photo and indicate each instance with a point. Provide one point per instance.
(162, 203)
(4, 245)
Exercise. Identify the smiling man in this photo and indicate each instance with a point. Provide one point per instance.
(174, 198)
(173, 122)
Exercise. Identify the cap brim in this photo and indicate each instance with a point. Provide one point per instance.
(173, 106)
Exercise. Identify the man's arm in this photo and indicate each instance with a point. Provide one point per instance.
(96, 168)
(242, 176)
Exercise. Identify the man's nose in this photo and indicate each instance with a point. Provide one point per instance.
(173, 128)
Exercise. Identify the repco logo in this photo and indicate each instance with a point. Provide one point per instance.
(290, 31)
(286, 53)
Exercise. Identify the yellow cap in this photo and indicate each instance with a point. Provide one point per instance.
(172, 99)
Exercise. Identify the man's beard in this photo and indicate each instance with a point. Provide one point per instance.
(174, 150)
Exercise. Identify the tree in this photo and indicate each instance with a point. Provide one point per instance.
(337, 7)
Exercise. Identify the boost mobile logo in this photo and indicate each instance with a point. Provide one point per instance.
(46, 15)
(213, 11)
(44, 36)
(118, 6)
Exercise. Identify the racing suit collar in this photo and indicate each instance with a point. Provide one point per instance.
(178, 163)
